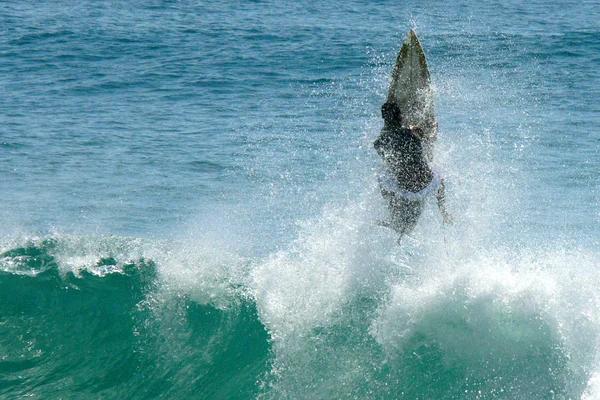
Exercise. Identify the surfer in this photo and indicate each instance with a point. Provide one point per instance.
(407, 180)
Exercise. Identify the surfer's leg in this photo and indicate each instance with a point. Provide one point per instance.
(405, 214)
(389, 198)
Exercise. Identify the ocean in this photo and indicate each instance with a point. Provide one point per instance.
(189, 202)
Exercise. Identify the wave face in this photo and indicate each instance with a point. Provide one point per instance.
(112, 329)
(431, 320)
(330, 317)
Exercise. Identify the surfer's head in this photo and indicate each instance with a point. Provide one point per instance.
(390, 112)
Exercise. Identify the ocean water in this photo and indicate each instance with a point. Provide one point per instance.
(189, 201)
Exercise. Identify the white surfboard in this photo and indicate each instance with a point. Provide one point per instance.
(411, 90)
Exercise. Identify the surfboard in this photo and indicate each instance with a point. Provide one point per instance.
(410, 88)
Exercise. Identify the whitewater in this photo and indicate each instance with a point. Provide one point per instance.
(189, 203)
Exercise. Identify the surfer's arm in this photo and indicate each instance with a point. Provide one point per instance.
(382, 142)
(441, 201)
(378, 144)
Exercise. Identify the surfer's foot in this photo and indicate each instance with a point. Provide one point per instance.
(385, 224)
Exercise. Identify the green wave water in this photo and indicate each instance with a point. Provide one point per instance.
(102, 320)
(107, 331)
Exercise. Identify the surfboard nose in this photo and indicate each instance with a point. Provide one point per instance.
(411, 38)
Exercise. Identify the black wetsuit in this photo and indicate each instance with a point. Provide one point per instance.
(404, 155)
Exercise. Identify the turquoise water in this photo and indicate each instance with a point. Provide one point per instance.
(189, 196)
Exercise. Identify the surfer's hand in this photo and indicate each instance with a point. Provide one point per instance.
(417, 131)
(448, 218)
